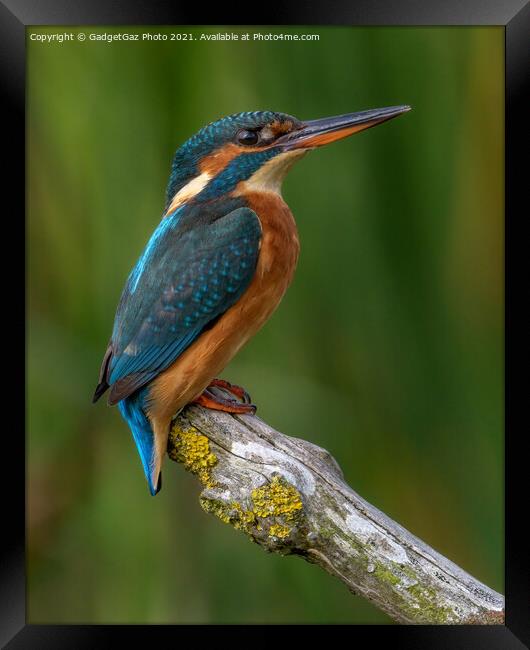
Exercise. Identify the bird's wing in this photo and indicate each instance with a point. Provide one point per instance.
(188, 275)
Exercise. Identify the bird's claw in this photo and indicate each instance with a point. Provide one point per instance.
(238, 391)
(242, 404)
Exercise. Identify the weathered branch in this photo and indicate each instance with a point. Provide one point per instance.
(289, 496)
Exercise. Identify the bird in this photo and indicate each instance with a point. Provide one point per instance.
(212, 273)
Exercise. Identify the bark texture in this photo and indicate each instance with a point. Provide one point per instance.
(289, 496)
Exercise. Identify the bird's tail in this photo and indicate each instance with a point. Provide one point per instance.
(132, 409)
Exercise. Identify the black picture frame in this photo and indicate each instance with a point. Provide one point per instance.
(15, 16)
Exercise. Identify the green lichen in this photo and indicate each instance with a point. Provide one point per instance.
(326, 532)
(424, 605)
(230, 513)
(426, 601)
(192, 449)
(217, 508)
(240, 518)
(384, 574)
(410, 573)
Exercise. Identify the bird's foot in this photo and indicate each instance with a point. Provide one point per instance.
(214, 401)
(238, 391)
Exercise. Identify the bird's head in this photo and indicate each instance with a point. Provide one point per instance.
(255, 148)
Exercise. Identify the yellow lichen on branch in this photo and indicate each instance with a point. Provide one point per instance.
(290, 497)
(192, 449)
(274, 509)
(277, 499)
(274, 506)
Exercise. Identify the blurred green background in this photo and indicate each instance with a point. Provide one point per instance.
(387, 349)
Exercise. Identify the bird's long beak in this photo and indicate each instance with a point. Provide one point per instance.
(316, 133)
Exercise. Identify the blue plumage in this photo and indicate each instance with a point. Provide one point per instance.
(170, 222)
(132, 410)
(200, 261)
(196, 265)
(237, 170)
(184, 279)
(186, 160)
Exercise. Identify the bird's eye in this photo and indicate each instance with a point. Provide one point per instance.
(247, 137)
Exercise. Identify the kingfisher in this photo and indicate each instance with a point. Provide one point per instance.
(212, 273)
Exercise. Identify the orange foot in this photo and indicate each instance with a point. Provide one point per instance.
(218, 403)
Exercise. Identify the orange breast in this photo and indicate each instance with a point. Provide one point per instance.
(211, 352)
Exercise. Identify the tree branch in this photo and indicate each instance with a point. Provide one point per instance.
(290, 497)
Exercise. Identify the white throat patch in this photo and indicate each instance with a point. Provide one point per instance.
(189, 190)
(269, 178)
